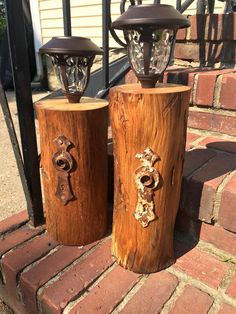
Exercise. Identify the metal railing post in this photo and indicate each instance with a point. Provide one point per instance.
(105, 41)
(66, 17)
(21, 76)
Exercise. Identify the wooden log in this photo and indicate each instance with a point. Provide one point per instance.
(149, 135)
(73, 140)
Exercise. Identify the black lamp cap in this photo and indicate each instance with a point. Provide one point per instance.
(148, 15)
(74, 46)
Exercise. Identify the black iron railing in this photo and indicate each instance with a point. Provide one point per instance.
(22, 84)
(28, 163)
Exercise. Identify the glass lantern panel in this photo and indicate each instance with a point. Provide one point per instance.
(72, 73)
(160, 44)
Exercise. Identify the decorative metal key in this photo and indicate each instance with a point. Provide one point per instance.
(146, 180)
(63, 162)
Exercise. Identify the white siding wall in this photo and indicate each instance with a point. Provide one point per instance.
(86, 17)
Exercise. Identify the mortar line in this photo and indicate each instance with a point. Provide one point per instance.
(212, 133)
(72, 304)
(13, 228)
(14, 248)
(173, 298)
(216, 293)
(217, 90)
(30, 266)
(64, 270)
(136, 287)
(219, 193)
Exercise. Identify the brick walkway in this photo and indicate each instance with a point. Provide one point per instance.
(47, 277)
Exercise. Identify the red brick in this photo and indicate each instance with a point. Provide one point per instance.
(227, 212)
(17, 237)
(219, 237)
(13, 222)
(201, 51)
(109, 133)
(219, 144)
(181, 34)
(15, 261)
(201, 189)
(195, 159)
(185, 76)
(171, 69)
(56, 296)
(206, 86)
(224, 124)
(130, 78)
(31, 280)
(187, 225)
(227, 93)
(216, 170)
(193, 301)
(228, 52)
(205, 89)
(229, 29)
(198, 23)
(104, 297)
(200, 120)
(213, 28)
(212, 121)
(177, 76)
(152, 296)
(191, 137)
(227, 309)
(231, 291)
(202, 266)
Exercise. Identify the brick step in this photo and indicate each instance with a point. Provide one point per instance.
(209, 180)
(49, 278)
(213, 97)
(209, 186)
(213, 88)
(209, 40)
(218, 121)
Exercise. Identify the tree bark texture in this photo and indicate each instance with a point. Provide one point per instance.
(73, 140)
(149, 135)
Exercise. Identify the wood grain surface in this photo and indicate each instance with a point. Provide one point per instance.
(83, 219)
(140, 119)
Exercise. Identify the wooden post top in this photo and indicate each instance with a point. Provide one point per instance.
(61, 104)
(159, 89)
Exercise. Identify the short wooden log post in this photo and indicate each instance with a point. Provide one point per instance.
(73, 140)
(149, 135)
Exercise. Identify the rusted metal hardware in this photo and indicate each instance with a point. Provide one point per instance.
(146, 179)
(63, 163)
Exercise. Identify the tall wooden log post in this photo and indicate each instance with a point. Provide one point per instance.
(149, 134)
(73, 140)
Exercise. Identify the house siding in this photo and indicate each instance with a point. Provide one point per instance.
(86, 17)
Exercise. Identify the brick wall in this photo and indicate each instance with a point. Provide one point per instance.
(210, 39)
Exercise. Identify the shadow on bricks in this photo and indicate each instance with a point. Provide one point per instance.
(206, 172)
